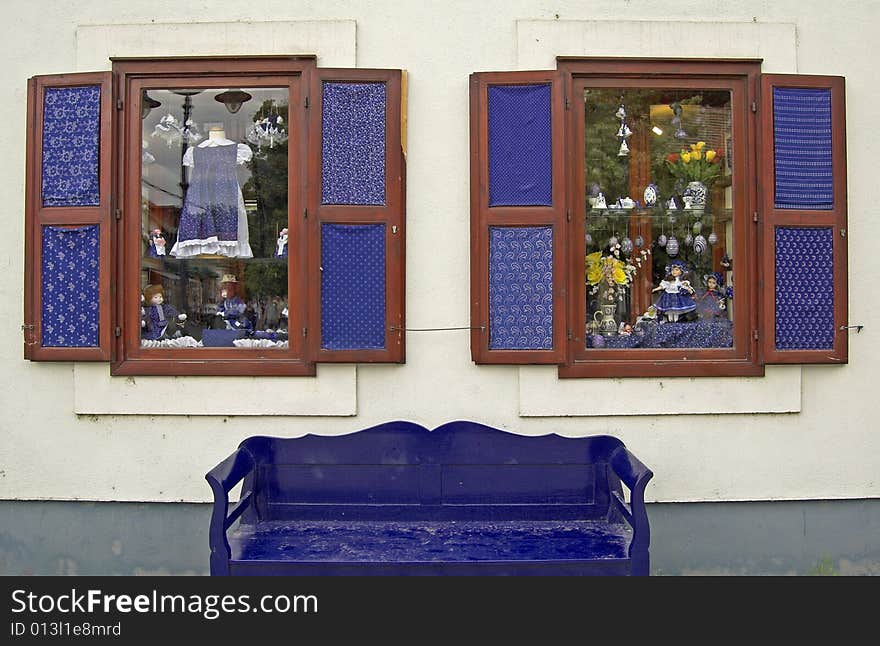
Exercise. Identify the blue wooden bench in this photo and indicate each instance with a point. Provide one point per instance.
(398, 499)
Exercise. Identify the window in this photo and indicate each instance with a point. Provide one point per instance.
(647, 217)
(216, 216)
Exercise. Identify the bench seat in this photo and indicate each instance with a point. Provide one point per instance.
(464, 499)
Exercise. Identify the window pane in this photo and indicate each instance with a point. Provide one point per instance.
(214, 173)
(659, 218)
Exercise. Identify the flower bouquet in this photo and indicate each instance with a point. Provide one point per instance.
(699, 164)
(609, 275)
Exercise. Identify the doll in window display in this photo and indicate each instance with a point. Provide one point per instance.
(677, 297)
(156, 247)
(712, 303)
(281, 251)
(231, 309)
(159, 320)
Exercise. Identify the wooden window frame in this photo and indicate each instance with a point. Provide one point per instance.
(742, 78)
(303, 79)
(133, 75)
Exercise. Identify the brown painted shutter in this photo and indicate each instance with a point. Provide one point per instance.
(517, 218)
(803, 195)
(356, 215)
(68, 218)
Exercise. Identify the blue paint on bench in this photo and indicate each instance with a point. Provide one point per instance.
(463, 499)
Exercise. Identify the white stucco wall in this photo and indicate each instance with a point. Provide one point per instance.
(72, 432)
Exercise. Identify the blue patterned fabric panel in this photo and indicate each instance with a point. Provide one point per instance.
(70, 299)
(353, 286)
(353, 143)
(520, 288)
(520, 149)
(804, 288)
(71, 129)
(802, 143)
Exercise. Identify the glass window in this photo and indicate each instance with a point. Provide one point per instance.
(659, 218)
(214, 212)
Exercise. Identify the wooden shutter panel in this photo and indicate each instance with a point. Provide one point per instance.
(517, 217)
(357, 194)
(803, 193)
(67, 218)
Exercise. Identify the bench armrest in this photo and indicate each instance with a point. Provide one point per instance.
(222, 479)
(635, 475)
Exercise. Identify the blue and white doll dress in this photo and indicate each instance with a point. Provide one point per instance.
(213, 219)
(674, 299)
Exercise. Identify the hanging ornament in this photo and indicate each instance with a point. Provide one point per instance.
(170, 130)
(613, 241)
(661, 240)
(268, 130)
(699, 244)
(588, 239)
(626, 246)
(672, 246)
(698, 226)
(688, 240)
(624, 149)
(676, 121)
(621, 112)
(713, 238)
(624, 130)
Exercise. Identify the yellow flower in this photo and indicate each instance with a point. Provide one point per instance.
(593, 267)
(710, 155)
(696, 155)
(618, 274)
(698, 146)
(685, 157)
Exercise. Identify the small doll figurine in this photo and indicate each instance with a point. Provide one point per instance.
(158, 314)
(232, 307)
(676, 297)
(281, 252)
(712, 303)
(157, 244)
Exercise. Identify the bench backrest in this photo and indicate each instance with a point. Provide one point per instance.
(400, 470)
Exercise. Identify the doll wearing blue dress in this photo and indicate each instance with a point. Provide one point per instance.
(677, 296)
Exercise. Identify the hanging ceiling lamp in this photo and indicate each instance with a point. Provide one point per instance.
(233, 99)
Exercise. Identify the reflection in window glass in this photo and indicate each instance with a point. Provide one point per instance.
(659, 211)
(214, 174)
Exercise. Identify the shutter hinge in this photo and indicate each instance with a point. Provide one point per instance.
(567, 103)
(568, 334)
(118, 213)
(568, 215)
(307, 103)
(306, 213)
(117, 331)
(305, 331)
(755, 216)
(754, 106)
(843, 233)
(755, 335)
(119, 104)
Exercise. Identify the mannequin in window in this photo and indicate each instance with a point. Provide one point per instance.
(213, 219)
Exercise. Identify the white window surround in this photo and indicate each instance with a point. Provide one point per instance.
(541, 392)
(333, 391)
